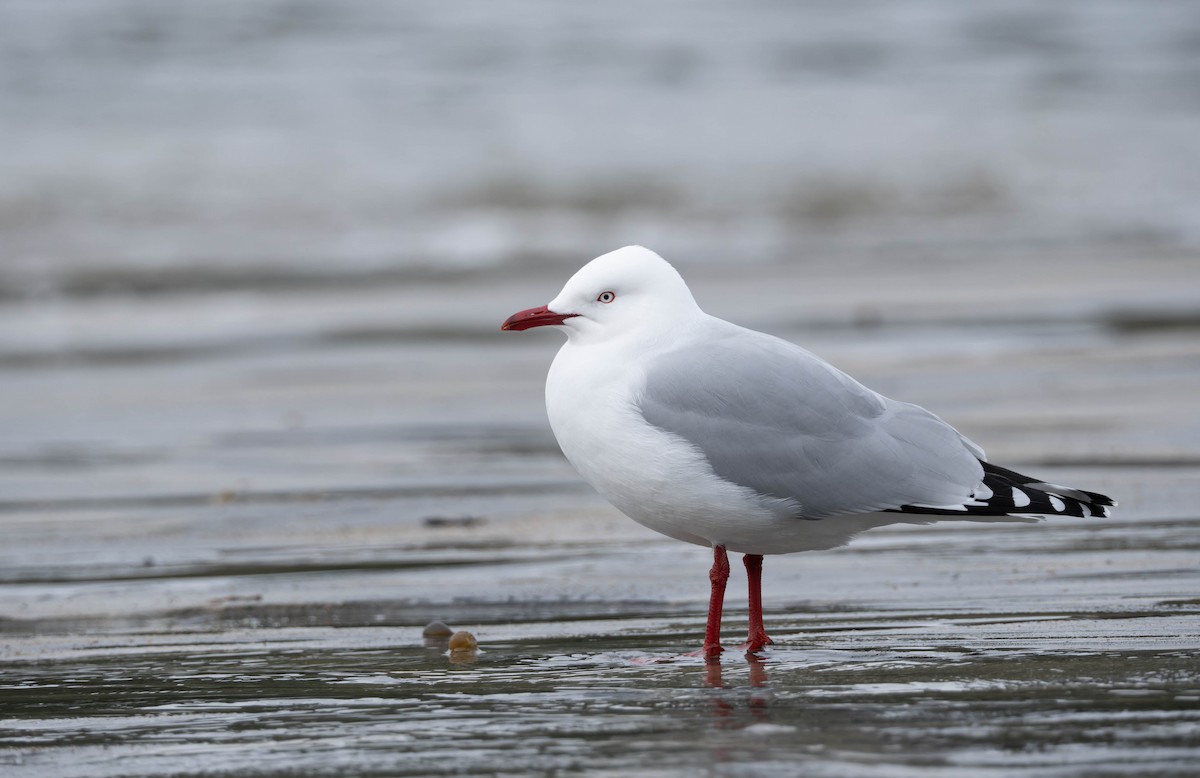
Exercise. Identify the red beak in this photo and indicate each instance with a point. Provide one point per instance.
(534, 317)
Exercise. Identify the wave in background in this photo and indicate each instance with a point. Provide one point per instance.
(151, 147)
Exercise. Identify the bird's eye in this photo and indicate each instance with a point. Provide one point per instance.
(606, 297)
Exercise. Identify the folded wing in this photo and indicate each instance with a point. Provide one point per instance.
(772, 417)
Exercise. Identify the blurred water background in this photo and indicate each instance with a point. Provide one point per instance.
(154, 147)
(259, 425)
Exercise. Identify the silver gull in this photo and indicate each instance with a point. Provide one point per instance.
(725, 437)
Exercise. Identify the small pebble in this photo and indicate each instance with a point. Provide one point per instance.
(463, 641)
(437, 629)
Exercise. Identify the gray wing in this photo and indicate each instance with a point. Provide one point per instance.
(773, 417)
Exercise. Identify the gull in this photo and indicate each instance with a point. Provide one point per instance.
(733, 439)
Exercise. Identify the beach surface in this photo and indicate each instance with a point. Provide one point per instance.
(220, 550)
(260, 427)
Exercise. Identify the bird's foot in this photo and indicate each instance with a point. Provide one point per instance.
(711, 652)
(756, 642)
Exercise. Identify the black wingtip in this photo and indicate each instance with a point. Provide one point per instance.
(1009, 493)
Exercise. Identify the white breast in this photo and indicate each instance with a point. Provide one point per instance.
(654, 477)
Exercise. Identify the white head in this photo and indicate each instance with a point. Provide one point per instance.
(615, 294)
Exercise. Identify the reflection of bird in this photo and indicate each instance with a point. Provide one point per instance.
(726, 437)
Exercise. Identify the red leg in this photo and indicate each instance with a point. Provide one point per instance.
(718, 575)
(758, 634)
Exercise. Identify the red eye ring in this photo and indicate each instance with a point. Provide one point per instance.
(606, 297)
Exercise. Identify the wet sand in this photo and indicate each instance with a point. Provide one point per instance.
(228, 516)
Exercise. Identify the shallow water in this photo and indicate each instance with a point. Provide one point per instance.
(169, 626)
(868, 693)
(220, 561)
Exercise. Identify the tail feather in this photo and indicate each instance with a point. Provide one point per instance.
(1008, 493)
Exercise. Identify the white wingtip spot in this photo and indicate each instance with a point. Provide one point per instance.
(1057, 504)
(1020, 499)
